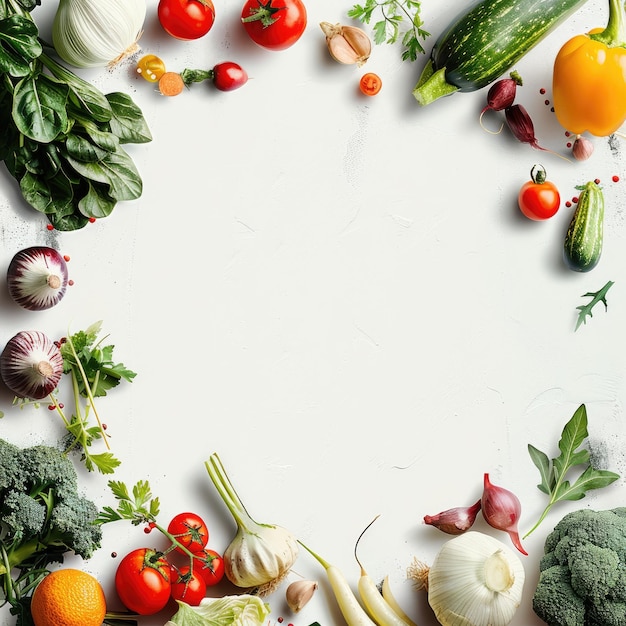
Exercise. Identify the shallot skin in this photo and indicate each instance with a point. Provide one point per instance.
(37, 278)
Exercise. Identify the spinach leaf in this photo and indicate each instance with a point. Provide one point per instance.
(128, 122)
(19, 45)
(39, 108)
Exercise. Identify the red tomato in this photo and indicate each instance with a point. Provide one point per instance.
(210, 565)
(186, 19)
(188, 586)
(190, 530)
(539, 199)
(143, 581)
(228, 76)
(274, 24)
(370, 84)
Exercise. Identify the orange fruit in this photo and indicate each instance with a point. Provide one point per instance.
(68, 597)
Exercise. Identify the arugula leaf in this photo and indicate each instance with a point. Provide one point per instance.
(394, 14)
(597, 296)
(554, 472)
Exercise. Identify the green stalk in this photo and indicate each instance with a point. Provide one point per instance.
(614, 35)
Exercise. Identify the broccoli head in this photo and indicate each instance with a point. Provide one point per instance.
(582, 579)
(42, 517)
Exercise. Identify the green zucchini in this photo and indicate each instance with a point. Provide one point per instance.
(485, 41)
(585, 234)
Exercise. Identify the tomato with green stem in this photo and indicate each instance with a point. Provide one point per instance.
(143, 581)
(210, 565)
(188, 586)
(539, 199)
(190, 531)
(274, 24)
(186, 19)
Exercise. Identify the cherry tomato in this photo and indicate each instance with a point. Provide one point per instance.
(186, 19)
(151, 67)
(274, 24)
(228, 76)
(370, 84)
(143, 581)
(188, 586)
(210, 565)
(190, 530)
(539, 199)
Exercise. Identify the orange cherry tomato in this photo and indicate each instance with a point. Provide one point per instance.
(150, 67)
(370, 84)
(539, 199)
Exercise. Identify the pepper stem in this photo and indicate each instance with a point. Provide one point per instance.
(614, 35)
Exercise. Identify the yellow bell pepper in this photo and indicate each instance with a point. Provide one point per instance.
(589, 78)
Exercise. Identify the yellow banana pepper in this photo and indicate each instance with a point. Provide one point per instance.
(589, 78)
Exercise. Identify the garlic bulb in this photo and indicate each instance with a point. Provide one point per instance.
(37, 278)
(260, 555)
(93, 33)
(347, 44)
(475, 580)
(31, 365)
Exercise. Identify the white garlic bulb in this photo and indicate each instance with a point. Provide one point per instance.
(93, 33)
(475, 580)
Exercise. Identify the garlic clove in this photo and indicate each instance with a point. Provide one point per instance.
(299, 593)
(347, 44)
(582, 148)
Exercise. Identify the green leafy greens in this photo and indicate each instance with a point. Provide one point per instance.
(389, 28)
(554, 472)
(62, 138)
(596, 297)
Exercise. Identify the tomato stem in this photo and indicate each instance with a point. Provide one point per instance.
(263, 13)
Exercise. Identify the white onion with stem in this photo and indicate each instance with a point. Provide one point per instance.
(37, 277)
(31, 365)
(93, 33)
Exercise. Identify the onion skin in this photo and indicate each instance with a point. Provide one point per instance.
(37, 278)
(31, 365)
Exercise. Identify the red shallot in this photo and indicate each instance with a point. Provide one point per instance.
(501, 95)
(501, 509)
(31, 365)
(37, 278)
(522, 127)
(456, 520)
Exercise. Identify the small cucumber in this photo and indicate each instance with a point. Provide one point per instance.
(485, 41)
(585, 234)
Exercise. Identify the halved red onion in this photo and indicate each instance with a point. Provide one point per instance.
(31, 365)
(37, 278)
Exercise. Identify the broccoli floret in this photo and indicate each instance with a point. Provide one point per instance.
(582, 580)
(42, 517)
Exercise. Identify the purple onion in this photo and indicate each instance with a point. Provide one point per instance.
(454, 521)
(31, 365)
(37, 278)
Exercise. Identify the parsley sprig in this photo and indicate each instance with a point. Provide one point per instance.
(390, 28)
(92, 371)
(554, 482)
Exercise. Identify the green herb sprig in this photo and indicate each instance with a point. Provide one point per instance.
(596, 297)
(394, 14)
(554, 472)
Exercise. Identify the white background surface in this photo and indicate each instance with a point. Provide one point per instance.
(339, 296)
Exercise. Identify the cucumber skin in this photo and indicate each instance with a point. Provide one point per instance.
(481, 44)
(585, 234)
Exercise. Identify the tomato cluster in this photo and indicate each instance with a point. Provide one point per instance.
(146, 579)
